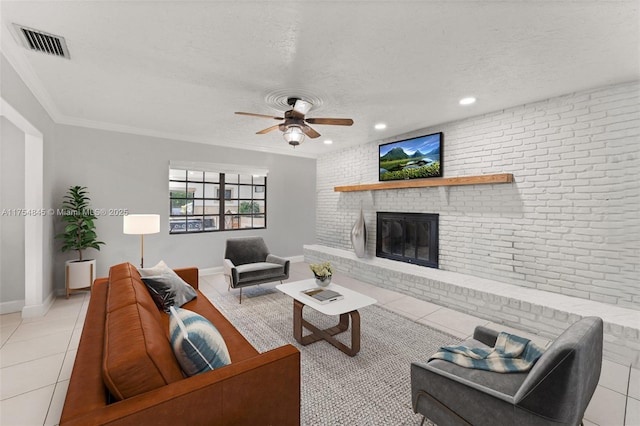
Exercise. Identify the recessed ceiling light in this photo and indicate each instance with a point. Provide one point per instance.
(328, 142)
(380, 126)
(467, 101)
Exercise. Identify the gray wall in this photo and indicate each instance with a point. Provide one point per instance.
(568, 224)
(124, 171)
(16, 93)
(11, 223)
(130, 171)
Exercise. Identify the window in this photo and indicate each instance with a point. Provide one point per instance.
(208, 201)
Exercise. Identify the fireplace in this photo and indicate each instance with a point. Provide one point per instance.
(408, 237)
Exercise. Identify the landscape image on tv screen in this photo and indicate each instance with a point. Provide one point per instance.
(414, 158)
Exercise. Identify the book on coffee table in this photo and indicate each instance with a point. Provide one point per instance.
(322, 295)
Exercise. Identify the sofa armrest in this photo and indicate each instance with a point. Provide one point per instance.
(261, 390)
(421, 369)
(100, 281)
(272, 258)
(230, 271)
(485, 335)
(189, 275)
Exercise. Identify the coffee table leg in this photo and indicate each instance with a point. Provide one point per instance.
(297, 321)
(355, 333)
(317, 334)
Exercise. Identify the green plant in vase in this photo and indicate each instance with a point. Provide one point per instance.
(79, 234)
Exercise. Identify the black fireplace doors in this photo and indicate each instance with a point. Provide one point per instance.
(408, 237)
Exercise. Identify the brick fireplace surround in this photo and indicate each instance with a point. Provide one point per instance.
(559, 242)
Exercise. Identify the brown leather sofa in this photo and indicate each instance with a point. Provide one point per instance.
(125, 372)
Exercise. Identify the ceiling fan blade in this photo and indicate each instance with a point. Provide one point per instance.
(268, 129)
(301, 108)
(333, 121)
(259, 115)
(310, 132)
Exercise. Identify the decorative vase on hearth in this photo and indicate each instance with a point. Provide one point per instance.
(359, 236)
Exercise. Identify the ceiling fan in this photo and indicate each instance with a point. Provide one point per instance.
(295, 124)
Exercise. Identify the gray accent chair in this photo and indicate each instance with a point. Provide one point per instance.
(247, 261)
(556, 391)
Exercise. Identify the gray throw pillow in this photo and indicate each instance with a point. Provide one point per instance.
(154, 270)
(166, 287)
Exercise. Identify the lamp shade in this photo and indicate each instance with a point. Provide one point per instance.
(141, 224)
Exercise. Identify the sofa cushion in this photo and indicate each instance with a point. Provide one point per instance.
(137, 356)
(196, 342)
(257, 271)
(126, 288)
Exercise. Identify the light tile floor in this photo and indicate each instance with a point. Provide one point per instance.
(36, 355)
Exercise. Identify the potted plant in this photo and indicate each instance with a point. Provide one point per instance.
(79, 234)
(323, 273)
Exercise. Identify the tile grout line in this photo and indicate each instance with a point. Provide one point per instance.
(29, 391)
(626, 399)
(12, 333)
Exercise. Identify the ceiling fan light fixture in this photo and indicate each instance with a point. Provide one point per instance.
(294, 135)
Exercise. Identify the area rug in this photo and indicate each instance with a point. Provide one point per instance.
(372, 388)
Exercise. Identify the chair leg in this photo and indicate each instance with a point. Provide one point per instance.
(241, 295)
(423, 419)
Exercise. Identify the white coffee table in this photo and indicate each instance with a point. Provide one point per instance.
(346, 308)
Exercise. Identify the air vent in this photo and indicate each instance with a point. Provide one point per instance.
(42, 42)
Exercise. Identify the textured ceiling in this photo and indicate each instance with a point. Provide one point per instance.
(180, 69)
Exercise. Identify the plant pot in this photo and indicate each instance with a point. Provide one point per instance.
(79, 275)
(323, 281)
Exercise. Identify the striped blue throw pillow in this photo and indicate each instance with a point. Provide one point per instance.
(197, 344)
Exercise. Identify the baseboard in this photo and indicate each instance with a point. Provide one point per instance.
(11, 306)
(210, 271)
(39, 310)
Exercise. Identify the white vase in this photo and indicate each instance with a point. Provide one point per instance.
(79, 275)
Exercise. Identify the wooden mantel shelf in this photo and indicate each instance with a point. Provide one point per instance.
(420, 183)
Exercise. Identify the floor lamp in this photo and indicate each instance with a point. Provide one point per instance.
(141, 224)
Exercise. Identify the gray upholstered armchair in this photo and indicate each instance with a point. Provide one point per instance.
(556, 391)
(247, 261)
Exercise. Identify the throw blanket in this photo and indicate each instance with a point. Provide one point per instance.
(510, 354)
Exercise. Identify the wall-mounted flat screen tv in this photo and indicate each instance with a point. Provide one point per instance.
(414, 158)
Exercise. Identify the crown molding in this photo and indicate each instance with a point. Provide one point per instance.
(33, 83)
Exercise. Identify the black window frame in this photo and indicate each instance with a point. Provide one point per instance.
(224, 218)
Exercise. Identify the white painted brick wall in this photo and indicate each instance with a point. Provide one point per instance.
(570, 222)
